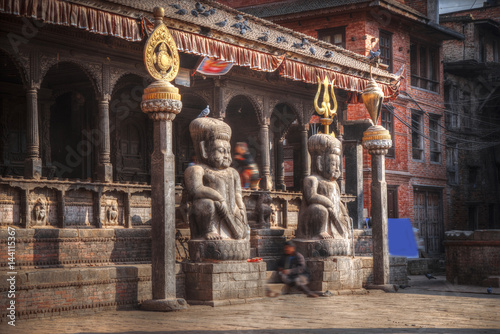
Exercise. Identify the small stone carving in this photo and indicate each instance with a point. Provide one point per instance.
(217, 211)
(322, 214)
(274, 216)
(264, 210)
(40, 212)
(112, 214)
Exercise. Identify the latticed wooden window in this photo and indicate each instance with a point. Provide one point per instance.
(417, 140)
(435, 139)
(385, 43)
(335, 36)
(424, 66)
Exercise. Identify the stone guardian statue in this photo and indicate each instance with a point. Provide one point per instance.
(322, 215)
(214, 188)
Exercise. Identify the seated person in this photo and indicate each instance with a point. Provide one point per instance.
(245, 165)
(293, 270)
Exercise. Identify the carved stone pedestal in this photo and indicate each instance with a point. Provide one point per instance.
(224, 283)
(323, 248)
(339, 275)
(268, 245)
(227, 249)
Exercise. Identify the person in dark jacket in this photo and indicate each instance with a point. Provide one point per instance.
(293, 270)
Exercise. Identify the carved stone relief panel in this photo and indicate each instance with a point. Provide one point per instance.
(10, 201)
(112, 209)
(43, 207)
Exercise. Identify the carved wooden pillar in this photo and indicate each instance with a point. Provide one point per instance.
(218, 104)
(266, 181)
(104, 167)
(33, 163)
(45, 132)
(304, 151)
(280, 170)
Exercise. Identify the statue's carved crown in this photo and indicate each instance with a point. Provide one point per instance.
(208, 129)
(323, 144)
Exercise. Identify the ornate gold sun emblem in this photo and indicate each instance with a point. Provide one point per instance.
(162, 59)
(160, 54)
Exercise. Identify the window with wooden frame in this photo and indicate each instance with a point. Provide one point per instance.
(387, 121)
(417, 139)
(435, 138)
(424, 66)
(385, 44)
(335, 36)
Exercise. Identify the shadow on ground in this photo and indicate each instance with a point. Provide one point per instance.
(440, 287)
(326, 330)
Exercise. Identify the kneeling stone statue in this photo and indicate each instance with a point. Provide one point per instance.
(218, 219)
(324, 224)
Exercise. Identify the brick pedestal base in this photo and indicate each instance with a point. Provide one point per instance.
(339, 274)
(229, 282)
(268, 244)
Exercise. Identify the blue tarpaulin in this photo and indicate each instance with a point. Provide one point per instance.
(401, 238)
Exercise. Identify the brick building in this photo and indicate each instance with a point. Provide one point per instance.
(472, 97)
(407, 34)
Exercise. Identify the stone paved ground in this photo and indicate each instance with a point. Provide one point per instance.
(426, 307)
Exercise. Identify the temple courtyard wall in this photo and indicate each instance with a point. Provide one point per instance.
(59, 271)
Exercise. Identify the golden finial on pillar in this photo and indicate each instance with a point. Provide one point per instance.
(326, 110)
(376, 138)
(161, 99)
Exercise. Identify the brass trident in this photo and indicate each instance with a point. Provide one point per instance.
(326, 111)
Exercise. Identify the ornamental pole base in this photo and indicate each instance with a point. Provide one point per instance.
(377, 140)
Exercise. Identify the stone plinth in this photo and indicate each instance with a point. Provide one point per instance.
(323, 248)
(339, 274)
(228, 249)
(268, 245)
(224, 283)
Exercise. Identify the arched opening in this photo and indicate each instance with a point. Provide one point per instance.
(242, 118)
(192, 105)
(13, 120)
(284, 134)
(69, 109)
(131, 146)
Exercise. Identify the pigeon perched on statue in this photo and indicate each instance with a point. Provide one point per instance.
(204, 112)
(429, 276)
